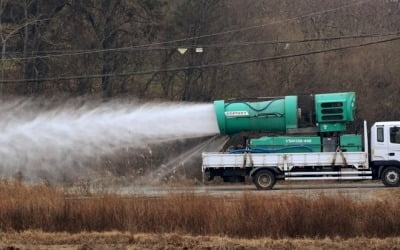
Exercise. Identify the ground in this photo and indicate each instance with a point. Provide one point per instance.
(201, 217)
(118, 240)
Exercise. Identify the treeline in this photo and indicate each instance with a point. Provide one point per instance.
(201, 50)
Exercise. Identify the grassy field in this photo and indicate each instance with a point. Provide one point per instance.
(45, 213)
(50, 209)
(118, 240)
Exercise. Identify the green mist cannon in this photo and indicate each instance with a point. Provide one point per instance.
(275, 115)
(325, 113)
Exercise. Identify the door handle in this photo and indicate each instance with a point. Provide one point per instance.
(391, 154)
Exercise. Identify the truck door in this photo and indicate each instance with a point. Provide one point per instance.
(379, 143)
(394, 143)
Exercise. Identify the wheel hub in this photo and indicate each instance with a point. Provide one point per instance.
(392, 176)
(264, 180)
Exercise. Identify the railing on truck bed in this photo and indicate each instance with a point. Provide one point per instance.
(285, 161)
(296, 166)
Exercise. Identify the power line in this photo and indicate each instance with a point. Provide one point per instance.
(216, 45)
(212, 45)
(204, 66)
(194, 37)
(298, 40)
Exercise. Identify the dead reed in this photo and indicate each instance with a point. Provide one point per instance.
(50, 210)
(125, 240)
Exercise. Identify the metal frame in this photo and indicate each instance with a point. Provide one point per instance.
(329, 178)
(285, 162)
(328, 173)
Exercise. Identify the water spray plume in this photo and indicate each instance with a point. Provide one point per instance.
(186, 158)
(53, 139)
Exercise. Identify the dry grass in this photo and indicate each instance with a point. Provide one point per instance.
(387, 194)
(47, 209)
(119, 240)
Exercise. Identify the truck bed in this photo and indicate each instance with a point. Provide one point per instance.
(285, 161)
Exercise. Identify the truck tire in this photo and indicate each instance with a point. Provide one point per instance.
(264, 179)
(391, 177)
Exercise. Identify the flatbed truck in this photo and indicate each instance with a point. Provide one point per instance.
(295, 152)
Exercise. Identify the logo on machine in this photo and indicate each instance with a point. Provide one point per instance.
(236, 113)
(298, 140)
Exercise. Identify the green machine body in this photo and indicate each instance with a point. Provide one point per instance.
(324, 113)
(351, 143)
(287, 144)
(334, 110)
(275, 115)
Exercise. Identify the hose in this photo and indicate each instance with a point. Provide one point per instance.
(252, 108)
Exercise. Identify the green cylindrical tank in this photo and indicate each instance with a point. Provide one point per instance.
(276, 115)
(288, 144)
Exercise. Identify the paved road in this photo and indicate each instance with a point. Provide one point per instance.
(356, 190)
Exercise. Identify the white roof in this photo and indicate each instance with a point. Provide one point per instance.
(388, 123)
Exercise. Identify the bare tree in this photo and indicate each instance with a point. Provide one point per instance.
(115, 23)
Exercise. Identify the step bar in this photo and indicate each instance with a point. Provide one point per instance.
(331, 175)
(329, 178)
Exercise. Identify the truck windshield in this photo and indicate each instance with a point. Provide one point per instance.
(395, 135)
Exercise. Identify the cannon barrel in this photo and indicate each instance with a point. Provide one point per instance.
(330, 113)
(276, 115)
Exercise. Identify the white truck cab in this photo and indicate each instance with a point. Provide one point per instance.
(385, 141)
(385, 152)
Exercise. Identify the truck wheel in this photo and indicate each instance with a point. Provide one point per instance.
(264, 179)
(391, 177)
